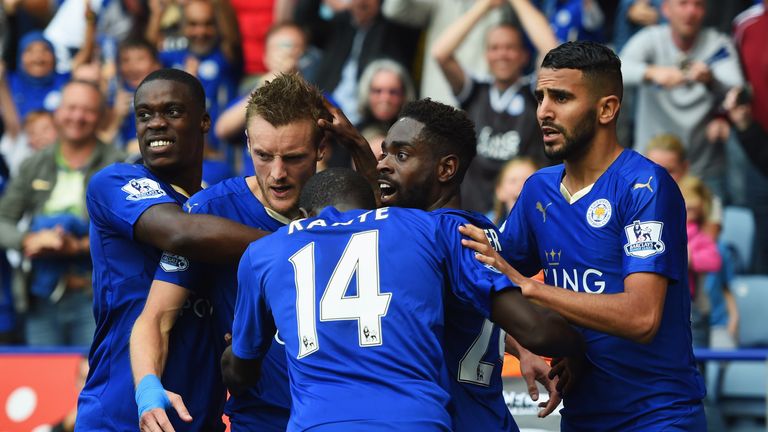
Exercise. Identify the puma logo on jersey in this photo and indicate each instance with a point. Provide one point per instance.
(542, 209)
(644, 185)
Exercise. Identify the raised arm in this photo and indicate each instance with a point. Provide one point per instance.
(226, 21)
(200, 237)
(448, 42)
(536, 26)
(8, 112)
(149, 351)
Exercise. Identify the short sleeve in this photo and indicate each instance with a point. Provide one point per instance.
(181, 271)
(654, 232)
(471, 281)
(117, 196)
(254, 326)
(518, 247)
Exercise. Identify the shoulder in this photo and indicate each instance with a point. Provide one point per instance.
(642, 180)
(225, 188)
(110, 153)
(35, 160)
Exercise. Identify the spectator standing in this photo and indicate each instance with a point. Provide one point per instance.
(681, 69)
(509, 184)
(350, 41)
(434, 16)
(50, 188)
(502, 108)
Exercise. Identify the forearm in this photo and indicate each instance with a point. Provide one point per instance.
(228, 29)
(148, 348)
(615, 314)
(450, 39)
(754, 141)
(238, 374)
(365, 164)
(199, 237)
(8, 112)
(85, 53)
(535, 25)
(232, 121)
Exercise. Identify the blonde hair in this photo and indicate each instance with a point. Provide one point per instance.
(669, 143)
(693, 188)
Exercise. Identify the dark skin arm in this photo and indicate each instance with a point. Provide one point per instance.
(199, 237)
(239, 374)
(538, 329)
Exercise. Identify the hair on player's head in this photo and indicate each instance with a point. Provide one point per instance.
(341, 188)
(447, 130)
(599, 64)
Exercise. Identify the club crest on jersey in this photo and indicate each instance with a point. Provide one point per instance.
(644, 239)
(171, 263)
(599, 213)
(142, 188)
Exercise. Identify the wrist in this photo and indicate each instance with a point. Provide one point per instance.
(150, 394)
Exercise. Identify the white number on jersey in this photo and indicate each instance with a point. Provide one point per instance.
(361, 260)
(472, 368)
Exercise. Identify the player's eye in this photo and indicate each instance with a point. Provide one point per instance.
(174, 112)
(401, 156)
(142, 116)
(262, 156)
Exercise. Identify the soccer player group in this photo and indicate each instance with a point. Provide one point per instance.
(363, 312)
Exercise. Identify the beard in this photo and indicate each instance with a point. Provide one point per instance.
(576, 143)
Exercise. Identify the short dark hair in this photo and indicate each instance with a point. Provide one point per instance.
(137, 43)
(599, 64)
(179, 76)
(337, 187)
(447, 130)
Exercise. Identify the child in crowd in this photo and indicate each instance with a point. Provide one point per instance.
(703, 255)
(509, 183)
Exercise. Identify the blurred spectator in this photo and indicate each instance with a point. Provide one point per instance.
(136, 58)
(72, 31)
(633, 15)
(254, 18)
(720, 14)
(681, 69)
(434, 16)
(724, 313)
(750, 35)
(350, 41)
(19, 17)
(508, 186)
(39, 132)
(385, 87)
(50, 189)
(212, 53)
(503, 108)
(668, 151)
(703, 255)
(8, 333)
(286, 44)
(35, 84)
(575, 19)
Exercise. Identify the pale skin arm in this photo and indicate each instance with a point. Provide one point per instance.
(232, 121)
(149, 347)
(634, 314)
(536, 26)
(449, 41)
(228, 29)
(8, 111)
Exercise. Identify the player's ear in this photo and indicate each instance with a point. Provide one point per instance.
(205, 125)
(608, 109)
(321, 147)
(447, 167)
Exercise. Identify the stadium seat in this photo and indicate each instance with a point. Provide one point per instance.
(740, 388)
(739, 233)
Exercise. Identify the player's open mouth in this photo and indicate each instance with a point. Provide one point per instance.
(550, 133)
(280, 191)
(387, 190)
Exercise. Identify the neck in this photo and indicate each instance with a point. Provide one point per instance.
(77, 154)
(502, 85)
(451, 200)
(682, 43)
(188, 179)
(583, 171)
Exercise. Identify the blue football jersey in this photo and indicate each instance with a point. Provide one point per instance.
(474, 355)
(123, 268)
(358, 299)
(632, 220)
(266, 406)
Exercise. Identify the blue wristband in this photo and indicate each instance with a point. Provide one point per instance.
(150, 394)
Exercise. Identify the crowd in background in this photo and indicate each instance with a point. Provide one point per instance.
(696, 102)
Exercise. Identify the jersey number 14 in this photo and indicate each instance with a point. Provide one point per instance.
(367, 306)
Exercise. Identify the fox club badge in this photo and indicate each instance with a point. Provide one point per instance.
(599, 213)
